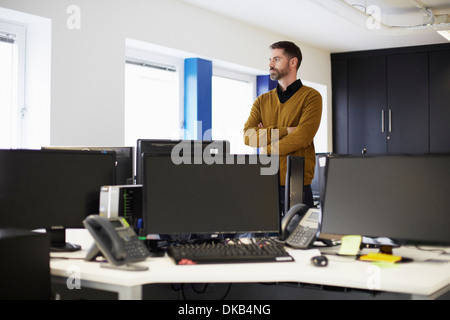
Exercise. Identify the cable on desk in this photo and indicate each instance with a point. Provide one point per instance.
(200, 291)
(227, 292)
(442, 251)
(182, 289)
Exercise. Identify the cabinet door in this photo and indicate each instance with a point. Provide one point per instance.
(366, 105)
(407, 126)
(340, 108)
(440, 102)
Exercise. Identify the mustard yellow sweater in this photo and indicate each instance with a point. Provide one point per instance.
(303, 111)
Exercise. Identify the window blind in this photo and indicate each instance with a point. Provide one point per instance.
(152, 65)
(7, 37)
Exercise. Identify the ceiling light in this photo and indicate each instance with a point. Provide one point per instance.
(445, 34)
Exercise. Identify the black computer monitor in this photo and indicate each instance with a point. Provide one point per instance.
(125, 166)
(53, 190)
(209, 199)
(401, 197)
(294, 182)
(161, 146)
(318, 180)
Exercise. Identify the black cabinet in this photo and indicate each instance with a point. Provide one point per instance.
(340, 98)
(366, 105)
(440, 101)
(392, 101)
(407, 121)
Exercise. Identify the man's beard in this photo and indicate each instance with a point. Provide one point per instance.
(279, 74)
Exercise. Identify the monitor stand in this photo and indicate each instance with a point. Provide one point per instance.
(58, 240)
(386, 249)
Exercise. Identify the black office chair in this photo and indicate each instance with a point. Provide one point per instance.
(25, 265)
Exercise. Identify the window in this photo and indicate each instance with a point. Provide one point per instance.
(321, 139)
(154, 92)
(151, 102)
(11, 84)
(232, 99)
(24, 91)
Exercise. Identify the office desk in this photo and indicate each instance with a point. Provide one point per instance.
(421, 280)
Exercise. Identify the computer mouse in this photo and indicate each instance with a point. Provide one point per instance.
(319, 261)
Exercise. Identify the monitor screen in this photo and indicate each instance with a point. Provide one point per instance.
(294, 182)
(159, 146)
(44, 189)
(233, 197)
(403, 198)
(124, 160)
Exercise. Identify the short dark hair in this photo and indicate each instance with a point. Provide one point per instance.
(291, 50)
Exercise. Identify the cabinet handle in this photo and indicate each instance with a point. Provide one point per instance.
(390, 120)
(382, 120)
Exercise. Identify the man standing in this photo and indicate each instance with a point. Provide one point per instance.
(294, 110)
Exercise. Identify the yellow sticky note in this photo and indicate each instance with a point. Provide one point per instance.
(350, 245)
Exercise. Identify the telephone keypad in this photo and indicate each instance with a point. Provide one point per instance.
(301, 237)
(135, 248)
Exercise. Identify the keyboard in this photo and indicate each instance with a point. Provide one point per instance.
(210, 253)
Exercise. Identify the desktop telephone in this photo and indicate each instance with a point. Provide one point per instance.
(116, 241)
(300, 226)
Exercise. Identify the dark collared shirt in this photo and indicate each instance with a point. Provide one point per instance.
(284, 96)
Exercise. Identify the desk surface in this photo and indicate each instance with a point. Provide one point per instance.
(419, 278)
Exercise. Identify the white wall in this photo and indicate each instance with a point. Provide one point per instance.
(87, 87)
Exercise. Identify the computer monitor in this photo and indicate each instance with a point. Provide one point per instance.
(51, 189)
(124, 160)
(294, 182)
(161, 146)
(401, 197)
(209, 199)
(318, 180)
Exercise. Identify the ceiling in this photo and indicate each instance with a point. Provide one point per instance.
(342, 25)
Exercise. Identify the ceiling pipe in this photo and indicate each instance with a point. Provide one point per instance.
(418, 4)
(424, 10)
(373, 23)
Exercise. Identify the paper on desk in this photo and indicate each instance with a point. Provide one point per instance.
(350, 245)
(304, 255)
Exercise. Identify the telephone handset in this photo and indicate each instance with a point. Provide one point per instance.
(300, 226)
(116, 241)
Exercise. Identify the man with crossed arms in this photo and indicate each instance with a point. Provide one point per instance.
(293, 110)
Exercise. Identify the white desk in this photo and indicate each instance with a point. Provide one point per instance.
(422, 280)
